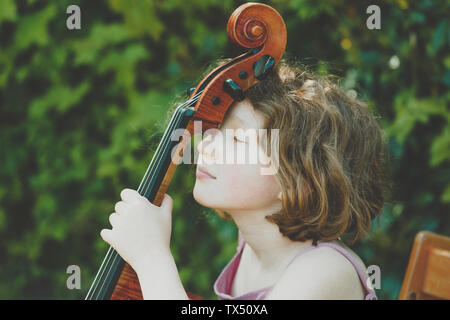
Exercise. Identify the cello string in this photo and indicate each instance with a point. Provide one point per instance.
(148, 184)
(165, 137)
(158, 160)
(111, 259)
(158, 155)
(145, 183)
(112, 254)
(106, 265)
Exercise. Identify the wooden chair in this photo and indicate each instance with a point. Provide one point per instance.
(428, 274)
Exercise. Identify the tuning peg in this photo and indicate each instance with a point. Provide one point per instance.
(263, 66)
(233, 89)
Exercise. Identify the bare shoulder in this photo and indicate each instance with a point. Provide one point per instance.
(323, 274)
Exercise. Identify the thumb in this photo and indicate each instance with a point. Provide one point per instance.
(106, 235)
(167, 202)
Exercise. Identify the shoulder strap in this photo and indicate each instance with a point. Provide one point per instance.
(362, 275)
(302, 251)
(241, 242)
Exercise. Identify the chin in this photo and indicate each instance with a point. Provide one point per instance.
(202, 196)
(207, 198)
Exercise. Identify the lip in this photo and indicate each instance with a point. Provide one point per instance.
(203, 173)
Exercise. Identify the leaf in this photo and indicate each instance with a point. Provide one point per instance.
(411, 110)
(439, 37)
(87, 50)
(60, 98)
(446, 195)
(8, 11)
(32, 28)
(440, 148)
(140, 17)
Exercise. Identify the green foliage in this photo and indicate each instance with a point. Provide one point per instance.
(82, 111)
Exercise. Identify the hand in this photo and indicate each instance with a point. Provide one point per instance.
(140, 229)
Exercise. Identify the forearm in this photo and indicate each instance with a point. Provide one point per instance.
(159, 279)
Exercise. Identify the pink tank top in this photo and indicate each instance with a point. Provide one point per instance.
(223, 284)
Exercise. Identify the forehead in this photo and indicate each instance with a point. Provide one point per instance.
(242, 114)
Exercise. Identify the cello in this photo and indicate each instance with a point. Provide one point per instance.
(254, 26)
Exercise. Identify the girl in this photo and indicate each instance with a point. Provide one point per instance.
(328, 182)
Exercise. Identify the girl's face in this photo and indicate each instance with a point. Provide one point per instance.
(236, 186)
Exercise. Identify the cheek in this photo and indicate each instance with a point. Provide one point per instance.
(238, 186)
(247, 187)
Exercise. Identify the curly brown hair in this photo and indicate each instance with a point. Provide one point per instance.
(332, 155)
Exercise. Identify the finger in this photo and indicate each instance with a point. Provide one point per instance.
(167, 202)
(120, 207)
(130, 195)
(113, 217)
(106, 235)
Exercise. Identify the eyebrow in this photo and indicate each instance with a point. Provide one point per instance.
(237, 119)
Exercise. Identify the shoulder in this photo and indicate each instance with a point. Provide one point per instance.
(322, 273)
